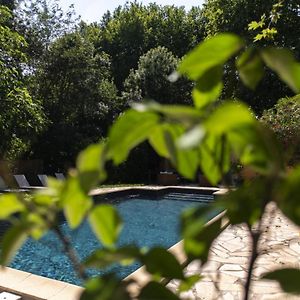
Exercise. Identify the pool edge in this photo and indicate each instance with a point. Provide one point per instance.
(140, 277)
(34, 287)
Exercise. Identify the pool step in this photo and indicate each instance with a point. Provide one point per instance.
(189, 197)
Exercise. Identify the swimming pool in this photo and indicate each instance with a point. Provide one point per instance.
(148, 221)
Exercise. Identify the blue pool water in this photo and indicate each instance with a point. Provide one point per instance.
(147, 222)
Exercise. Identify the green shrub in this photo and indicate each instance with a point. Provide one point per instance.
(284, 120)
(151, 80)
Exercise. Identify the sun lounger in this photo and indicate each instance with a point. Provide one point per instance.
(43, 179)
(60, 176)
(3, 186)
(5, 189)
(24, 184)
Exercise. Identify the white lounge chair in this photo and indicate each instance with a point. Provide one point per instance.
(24, 184)
(60, 176)
(43, 179)
(5, 189)
(3, 186)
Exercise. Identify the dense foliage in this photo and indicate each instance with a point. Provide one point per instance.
(79, 98)
(151, 80)
(21, 118)
(41, 22)
(235, 16)
(10, 4)
(135, 47)
(130, 31)
(284, 120)
(76, 71)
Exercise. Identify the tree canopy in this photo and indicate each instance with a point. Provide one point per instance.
(21, 117)
(132, 30)
(235, 16)
(79, 96)
(151, 80)
(128, 55)
(11, 4)
(41, 22)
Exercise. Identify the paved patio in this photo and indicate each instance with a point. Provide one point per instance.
(229, 256)
(224, 274)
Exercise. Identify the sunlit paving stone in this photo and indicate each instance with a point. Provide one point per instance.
(225, 272)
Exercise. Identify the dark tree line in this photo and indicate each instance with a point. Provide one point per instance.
(73, 79)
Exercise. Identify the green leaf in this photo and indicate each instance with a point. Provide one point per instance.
(209, 87)
(267, 33)
(131, 129)
(10, 204)
(184, 114)
(105, 257)
(255, 25)
(198, 236)
(12, 241)
(38, 225)
(194, 219)
(189, 282)
(160, 262)
(203, 98)
(288, 279)
(154, 291)
(192, 138)
(187, 162)
(287, 195)
(245, 204)
(184, 160)
(76, 203)
(164, 139)
(44, 198)
(259, 37)
(229, 116)
(224, 131)
(181, 113)
(106, 287)
(158, 141)
(52, 195)
(285, 65)
(90, 164)
(257, 147)
(106, 224)
(55, 186)
(251, 68)
(90, 159)
(171, 146)
(214, 152)
(210, 53)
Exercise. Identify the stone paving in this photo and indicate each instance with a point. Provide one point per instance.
(225, 272)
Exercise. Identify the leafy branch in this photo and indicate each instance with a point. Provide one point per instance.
(267, 24)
